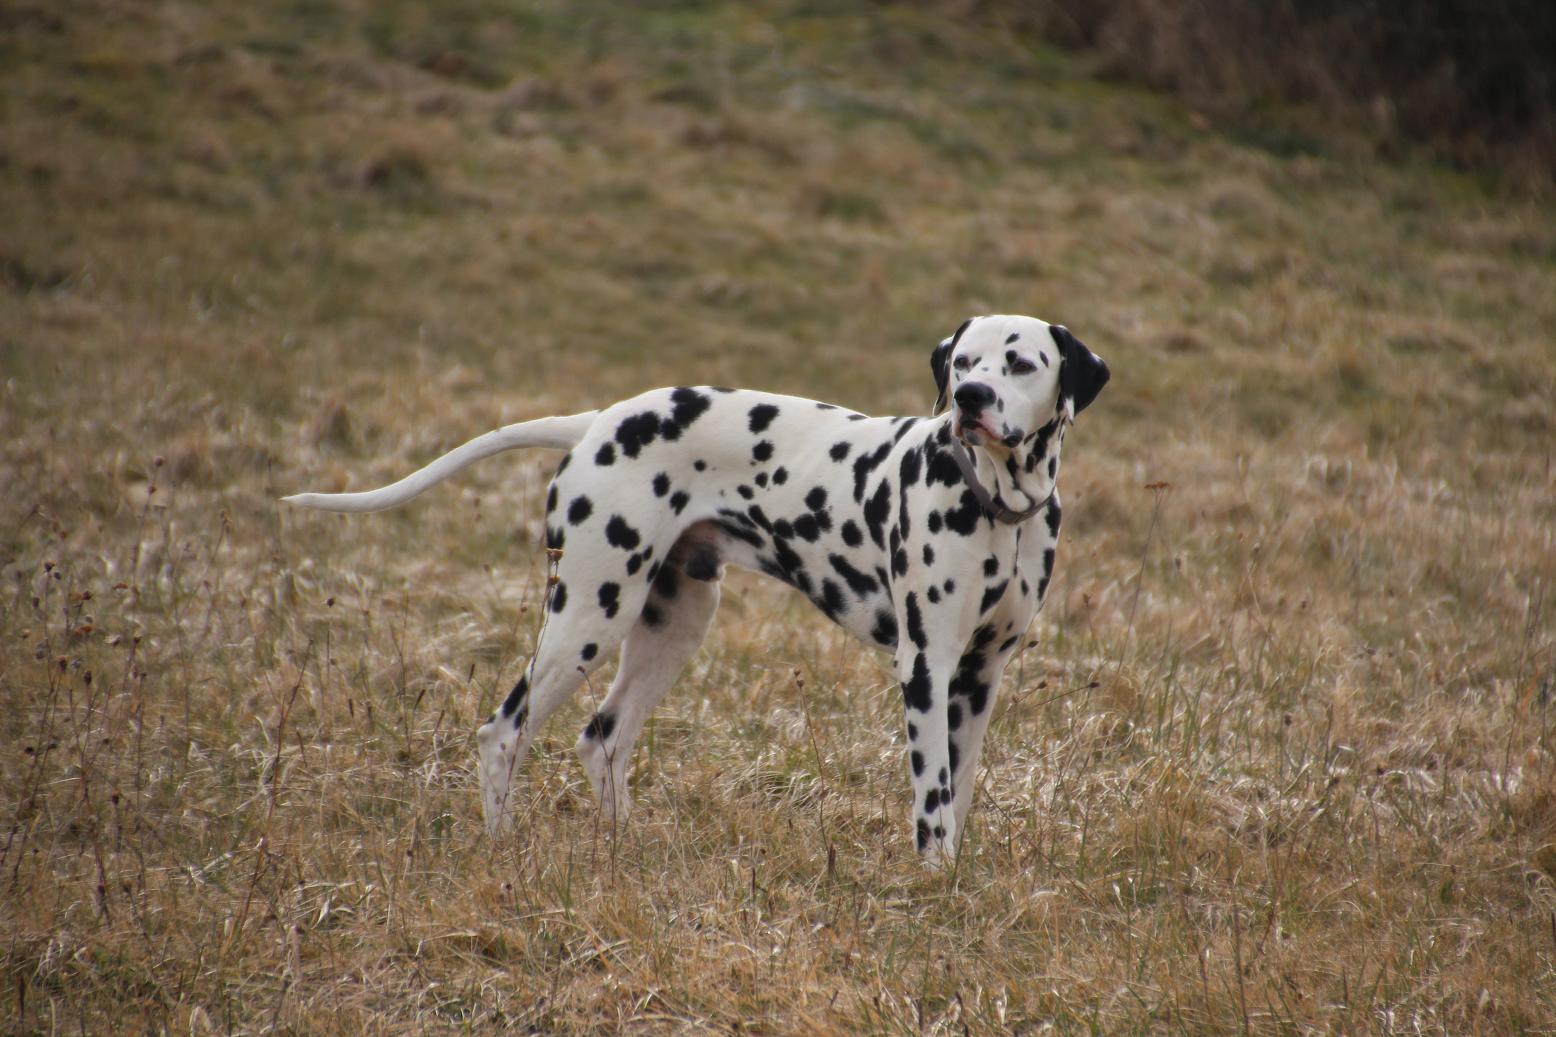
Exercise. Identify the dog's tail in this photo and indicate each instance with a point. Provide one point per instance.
(560, 433)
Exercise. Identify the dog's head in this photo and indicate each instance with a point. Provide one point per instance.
(1006, 378)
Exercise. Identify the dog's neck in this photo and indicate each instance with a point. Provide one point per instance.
(1020, 479)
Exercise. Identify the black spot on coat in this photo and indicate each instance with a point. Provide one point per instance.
(733, 525)
(964, 519)
(858, 582)
(864, 464)
(916, 691)
(884, 633)
(610, 598)
(991, 596)
(943, 469)
(832, 601)
(761, 416)
(915, 622)
(637, 432)
(600, 726)
(687, 406)
(877, 511)
(618, 533)
(516, 697)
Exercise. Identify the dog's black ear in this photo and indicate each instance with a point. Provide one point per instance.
(1082, 374)
(940, 364)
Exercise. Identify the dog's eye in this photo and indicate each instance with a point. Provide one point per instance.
(1021, 365)
(962, 363)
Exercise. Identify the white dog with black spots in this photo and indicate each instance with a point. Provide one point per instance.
(932, 538)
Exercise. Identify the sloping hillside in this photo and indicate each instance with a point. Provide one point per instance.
(1280, 759)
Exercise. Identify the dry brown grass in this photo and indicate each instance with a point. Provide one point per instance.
(1283, 762)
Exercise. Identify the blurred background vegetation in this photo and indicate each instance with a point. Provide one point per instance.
(1472, 82)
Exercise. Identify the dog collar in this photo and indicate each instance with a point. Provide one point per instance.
(1001, 512)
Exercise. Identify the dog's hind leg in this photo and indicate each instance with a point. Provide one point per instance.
(666, 635)
(587, 619)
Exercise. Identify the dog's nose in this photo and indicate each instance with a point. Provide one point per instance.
(972, 397)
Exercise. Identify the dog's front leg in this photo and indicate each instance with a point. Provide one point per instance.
(973, 693)
(925, 668)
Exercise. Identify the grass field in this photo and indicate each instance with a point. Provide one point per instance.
(1282, 756)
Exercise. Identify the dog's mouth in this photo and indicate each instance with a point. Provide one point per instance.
(974, 431)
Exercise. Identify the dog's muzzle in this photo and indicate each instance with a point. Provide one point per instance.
(972, 398)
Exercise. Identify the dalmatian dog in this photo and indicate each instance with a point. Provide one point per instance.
(932, 538)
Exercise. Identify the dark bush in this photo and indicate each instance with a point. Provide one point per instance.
(1475, 81)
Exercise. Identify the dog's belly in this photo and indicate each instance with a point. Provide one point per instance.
(856, 599)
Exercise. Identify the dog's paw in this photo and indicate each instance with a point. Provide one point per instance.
(938, 847)
(607, 780)
(495, 769)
